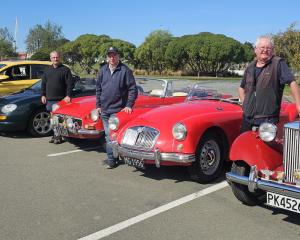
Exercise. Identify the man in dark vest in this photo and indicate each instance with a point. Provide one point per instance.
(262, 86)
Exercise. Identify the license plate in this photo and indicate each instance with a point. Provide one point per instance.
(284, 202)
(138, 163)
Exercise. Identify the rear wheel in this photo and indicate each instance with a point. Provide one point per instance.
(210, 158)
(39, 123)
(240, 191)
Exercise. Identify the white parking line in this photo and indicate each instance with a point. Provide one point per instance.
(127, 223)
(69, 152)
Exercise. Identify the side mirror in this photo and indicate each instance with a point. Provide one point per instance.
(3, 77)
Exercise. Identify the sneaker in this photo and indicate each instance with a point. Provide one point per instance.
(110, 165)
(58, 140)
(52, 140)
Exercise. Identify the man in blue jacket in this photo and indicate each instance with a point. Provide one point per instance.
(115, 91)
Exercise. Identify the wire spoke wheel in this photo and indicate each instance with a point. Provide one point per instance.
(210, 158)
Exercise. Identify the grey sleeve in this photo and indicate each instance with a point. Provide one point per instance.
(285, 75)
(99, 88)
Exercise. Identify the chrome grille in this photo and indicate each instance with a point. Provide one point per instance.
(140, 137)
(291, 150)
(63, 119)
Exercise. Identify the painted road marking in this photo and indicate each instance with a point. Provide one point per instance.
(127, 223)
(73, 151)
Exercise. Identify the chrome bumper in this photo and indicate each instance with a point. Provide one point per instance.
(88, 132)
(268, 186)
(156, 156)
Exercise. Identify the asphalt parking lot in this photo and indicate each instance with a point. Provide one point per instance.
(65, 192)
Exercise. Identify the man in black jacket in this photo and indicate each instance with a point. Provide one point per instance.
(262, 87)
(57, 84)
(115, 91)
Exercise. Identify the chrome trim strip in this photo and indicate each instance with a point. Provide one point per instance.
(156, 156)
(88, 132)
(280, 188)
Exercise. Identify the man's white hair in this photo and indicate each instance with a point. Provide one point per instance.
(268, 37)
(57, 52)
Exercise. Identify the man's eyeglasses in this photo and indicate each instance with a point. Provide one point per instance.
(265, 48)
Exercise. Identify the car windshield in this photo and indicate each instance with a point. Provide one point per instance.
(162, 87)
(36, 86)
(148, 86)
(2, 65)
(199, 92)
(85, 84)
(81, 84)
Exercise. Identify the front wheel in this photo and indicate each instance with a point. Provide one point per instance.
(241, 191)
(210, 158)
(39, 123)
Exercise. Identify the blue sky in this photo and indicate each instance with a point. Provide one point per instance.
(133, 20)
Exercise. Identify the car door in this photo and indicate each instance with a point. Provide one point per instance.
(18, 78)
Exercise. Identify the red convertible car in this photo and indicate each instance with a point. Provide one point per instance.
(80, 119)
(196, 133)
(266, 163)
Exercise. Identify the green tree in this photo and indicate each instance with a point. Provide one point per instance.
(6, 44)
(151, 53)
(287, 45)
(49, 37)
(89, 50)
(205, 53)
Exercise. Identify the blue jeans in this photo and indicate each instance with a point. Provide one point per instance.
(49, 108)
(49, 105)
(110, 158)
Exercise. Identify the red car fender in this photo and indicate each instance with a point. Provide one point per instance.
(249, 148)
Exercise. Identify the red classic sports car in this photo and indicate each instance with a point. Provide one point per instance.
(80, 119)
(266, 165)
(196, 133)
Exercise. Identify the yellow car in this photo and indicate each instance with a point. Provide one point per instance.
(16, 75)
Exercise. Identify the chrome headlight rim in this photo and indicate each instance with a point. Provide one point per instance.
(54, 120)
(69, 123)
(179, 131)
(113, 123)
(8, 108)
(94, 115)
(55, 107)
(267, 132)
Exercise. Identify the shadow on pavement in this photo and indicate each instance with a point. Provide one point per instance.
(17, 134)
(88, 145)
(177, 173)
(288, 216)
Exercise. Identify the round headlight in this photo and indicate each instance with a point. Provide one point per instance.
(9, 108)
(55, 106)
(113, 123)
(179, 131)
(267, 132)
(54, 120)
(69, 122)
(95, 115)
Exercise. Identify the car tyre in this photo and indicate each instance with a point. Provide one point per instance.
(210, 158)
(241, 191)
(39, 123)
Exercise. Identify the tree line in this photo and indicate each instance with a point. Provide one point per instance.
(204, 53)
